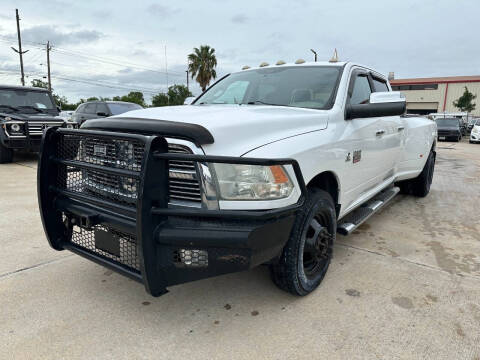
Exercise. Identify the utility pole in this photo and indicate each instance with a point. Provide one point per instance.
(315, 53)
(48, 66)
(19, 51)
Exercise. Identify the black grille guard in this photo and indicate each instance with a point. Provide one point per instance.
(144, 221)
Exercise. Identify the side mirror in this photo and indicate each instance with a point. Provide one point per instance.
(388, 103)
(59, 108)
(102, 114)
(189, 100)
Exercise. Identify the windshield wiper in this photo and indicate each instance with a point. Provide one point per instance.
(263, 103)
(31, 107)
(9, 107)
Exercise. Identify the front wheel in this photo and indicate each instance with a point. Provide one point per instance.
(306, 257)
(6, 154)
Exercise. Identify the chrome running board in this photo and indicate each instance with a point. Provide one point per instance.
(357, 217)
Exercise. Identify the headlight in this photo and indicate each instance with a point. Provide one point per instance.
(69, 126)
(16, 128)
(252, 182)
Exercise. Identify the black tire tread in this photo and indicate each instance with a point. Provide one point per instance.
(418, 186)
(6, 155)
(284, 273)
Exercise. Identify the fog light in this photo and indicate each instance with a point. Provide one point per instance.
(191, 258)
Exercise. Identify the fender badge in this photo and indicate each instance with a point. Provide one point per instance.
(348, 158)
(357, 156)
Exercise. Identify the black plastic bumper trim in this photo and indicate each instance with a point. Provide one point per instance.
(232, 214)
(194, 132)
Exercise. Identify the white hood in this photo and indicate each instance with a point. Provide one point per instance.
(238, 129)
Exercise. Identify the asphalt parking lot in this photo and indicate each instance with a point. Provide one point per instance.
(405, 285)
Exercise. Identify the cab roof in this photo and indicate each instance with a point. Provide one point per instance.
(17, 87)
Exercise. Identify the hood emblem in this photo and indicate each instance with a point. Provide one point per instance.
(99, 150)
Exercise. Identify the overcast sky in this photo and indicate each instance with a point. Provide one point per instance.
(122, 44)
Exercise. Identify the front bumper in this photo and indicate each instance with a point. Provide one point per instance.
(27, 142)
(151, 242)
(475, 137)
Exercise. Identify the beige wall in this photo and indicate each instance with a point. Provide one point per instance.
(425, 99)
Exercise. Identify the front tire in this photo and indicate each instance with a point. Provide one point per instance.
(308, 252)
(6, 155)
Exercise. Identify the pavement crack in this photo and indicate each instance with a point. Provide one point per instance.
(402, 259)
(34, 266)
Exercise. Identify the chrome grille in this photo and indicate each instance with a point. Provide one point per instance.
(183, 179)
(37, 127)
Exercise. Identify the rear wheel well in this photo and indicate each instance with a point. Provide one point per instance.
(327, 181)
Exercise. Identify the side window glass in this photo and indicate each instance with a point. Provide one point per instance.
(101, 107)
(90, 108)
(80, 109)
(380, 85)
(361, 91)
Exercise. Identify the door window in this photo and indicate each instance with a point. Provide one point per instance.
(361, 90)
(90, 108)
(102, 108)
(379, 85)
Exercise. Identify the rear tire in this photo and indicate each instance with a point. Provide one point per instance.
(420, 186)
(6, 155)
(307, 254)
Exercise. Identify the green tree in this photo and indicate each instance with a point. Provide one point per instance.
(160, 100)
(465, 102)
(133, 97)
(39, 83)
(176, 95)
(201, 65)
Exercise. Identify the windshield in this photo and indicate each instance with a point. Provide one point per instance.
(447, 122)
(26, 99)
(117, 108)
(305, 87)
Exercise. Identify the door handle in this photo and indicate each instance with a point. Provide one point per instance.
(401, 128)
(380, 132)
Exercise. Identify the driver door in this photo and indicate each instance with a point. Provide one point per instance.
(363, 164)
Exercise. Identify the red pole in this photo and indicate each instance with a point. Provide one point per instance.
(445, 99)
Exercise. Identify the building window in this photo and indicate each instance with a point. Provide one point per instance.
(415, 87)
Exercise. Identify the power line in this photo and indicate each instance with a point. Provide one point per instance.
(91, 82)
(110, 62)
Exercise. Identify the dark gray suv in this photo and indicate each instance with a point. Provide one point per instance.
(99, 109)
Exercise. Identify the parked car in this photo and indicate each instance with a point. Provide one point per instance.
(101, 109)
(475, 134)
(471, 123)
(66, 115)
(24, 113)
(265, 167)
(449, 129)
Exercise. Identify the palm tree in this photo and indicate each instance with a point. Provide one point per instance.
(201, 64)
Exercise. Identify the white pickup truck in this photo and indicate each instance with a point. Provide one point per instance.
(265, 167)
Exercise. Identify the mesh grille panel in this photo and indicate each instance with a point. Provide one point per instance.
(109, 153)
(191, 258)
(127, 244)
